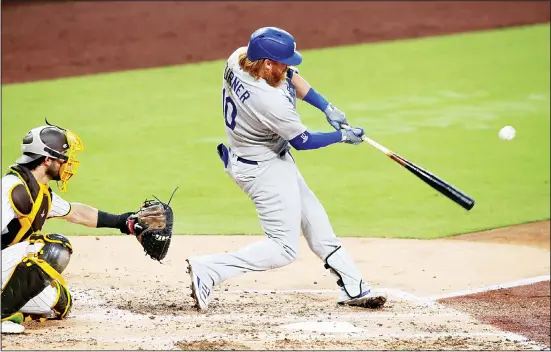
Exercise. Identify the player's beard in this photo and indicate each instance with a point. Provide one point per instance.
(52, 171)
(276, 76)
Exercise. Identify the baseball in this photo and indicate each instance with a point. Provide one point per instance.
(507, 133)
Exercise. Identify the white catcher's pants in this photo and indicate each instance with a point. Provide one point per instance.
(285, 206)
(42, 303)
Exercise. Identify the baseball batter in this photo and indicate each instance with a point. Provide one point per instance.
(32, 262)
(259, 91)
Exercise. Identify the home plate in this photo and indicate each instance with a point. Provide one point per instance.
(326, 326)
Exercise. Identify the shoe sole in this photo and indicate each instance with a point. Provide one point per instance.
(193, 288)
(366, 302)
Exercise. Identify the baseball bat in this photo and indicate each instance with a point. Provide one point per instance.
(435, 182)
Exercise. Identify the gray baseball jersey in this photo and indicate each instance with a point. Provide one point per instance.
(259, 119)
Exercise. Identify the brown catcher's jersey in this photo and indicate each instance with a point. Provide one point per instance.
(26, 204)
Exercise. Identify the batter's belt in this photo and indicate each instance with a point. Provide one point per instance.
(223, 153)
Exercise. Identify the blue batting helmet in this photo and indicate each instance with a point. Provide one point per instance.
(275, 44)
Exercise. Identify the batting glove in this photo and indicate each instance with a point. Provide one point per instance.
(352, 135)
(335, 117)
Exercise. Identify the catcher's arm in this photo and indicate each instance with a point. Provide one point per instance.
(86, 215)
(151, 224)
(150, 216)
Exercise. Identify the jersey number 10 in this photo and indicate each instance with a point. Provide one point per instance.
(226, 103)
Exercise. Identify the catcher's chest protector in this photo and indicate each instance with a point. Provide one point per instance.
(31, 201)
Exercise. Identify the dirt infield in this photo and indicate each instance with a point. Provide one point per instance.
(534, 234)
(523, 310)
(58, 39)
(123, 300)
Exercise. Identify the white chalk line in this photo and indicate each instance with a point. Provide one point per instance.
(394, 293)
(522, 282)
(431, 302)
(123, 315)
(510, 284)
(524, 341)
(424, 301)
(281, 292)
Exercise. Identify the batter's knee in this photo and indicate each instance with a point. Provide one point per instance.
(288, 251)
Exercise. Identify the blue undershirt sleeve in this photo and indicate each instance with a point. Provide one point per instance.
(315, 140)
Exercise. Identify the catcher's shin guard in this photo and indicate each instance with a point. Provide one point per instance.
(64, 301)
(349, 278)
(36, 285)
(28, 279)
(54, 302)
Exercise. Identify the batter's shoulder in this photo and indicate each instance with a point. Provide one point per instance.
(272, 99)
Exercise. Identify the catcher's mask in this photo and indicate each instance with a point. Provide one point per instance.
(54, 142)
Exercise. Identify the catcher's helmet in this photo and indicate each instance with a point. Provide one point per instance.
(53, 142)
(47, 141)
(275, 44)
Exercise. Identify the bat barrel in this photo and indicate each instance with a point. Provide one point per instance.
(437, 183)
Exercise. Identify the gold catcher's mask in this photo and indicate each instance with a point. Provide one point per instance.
(54, 142)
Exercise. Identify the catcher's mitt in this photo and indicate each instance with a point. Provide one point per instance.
(152, 226)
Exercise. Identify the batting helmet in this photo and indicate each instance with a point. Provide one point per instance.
(275, 44)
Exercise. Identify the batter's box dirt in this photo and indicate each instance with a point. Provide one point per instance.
(263, 321)
(205, 345)
(128, 303)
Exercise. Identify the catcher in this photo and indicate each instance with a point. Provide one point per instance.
(32, 262)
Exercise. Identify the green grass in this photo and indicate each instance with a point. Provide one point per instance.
(438, 102)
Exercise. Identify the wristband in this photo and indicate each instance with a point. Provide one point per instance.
(111, 220)
(315, 99)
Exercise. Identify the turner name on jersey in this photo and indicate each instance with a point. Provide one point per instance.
(236, 85)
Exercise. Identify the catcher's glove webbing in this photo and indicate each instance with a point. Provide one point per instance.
(152, 226)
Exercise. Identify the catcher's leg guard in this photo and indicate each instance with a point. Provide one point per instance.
(340, 264)
(28, 279)
(28, 272)
(54, 302)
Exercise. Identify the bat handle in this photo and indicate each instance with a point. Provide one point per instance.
(371, 142)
